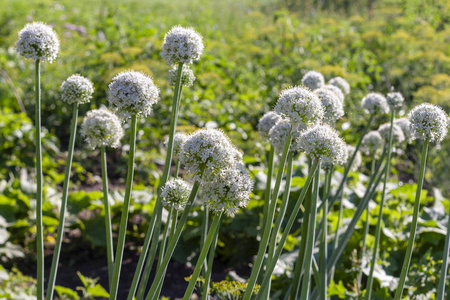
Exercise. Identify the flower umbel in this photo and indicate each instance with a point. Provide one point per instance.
(334, 108)
(371, 143)
(38, 41)
(337, 91)
(397, 133)
(313, 80)
(77, 88)
(303, 108)
(266, 123)
(428, 122)
(395, 100)
(323, 142)
(175, 193)
(375, 103)
(278, 135)
(178, 141)
(187, 76)
(341, 83)
(101, 127)
(182, 45)
(405, 125)
(132, 93)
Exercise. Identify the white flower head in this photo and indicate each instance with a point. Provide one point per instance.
(266, 123)
(178, 141)
(337, 91)
(132, 93)
(341, 83)
(428, 122)
(301, 106)
(372, 143)
(323, 142)
(101, 127)
(229, 190)
(397, 133)
(375, 103)
(77, 88)
(209, 150)
(334, 108)
(405, 125)
(395, 100)
(38, 41)
(313, 80)
(358, 158)
(182, 45)
(278, 135)
(187, 76)
(175, 193)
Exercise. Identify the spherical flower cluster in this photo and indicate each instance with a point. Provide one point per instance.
(182, 45)
(132, 93)
(397, 133)
(337, 91)
(334, 108)
(358, 158)
(101, 128)
(77, 88)
(228, 191)
(375, 103)
(266, 123)
(187, 76)
(323, 142)
(178, 141)
(341, 83)
(313, 80)
(371, 143)
(301, 106)
(395, 100)
(405, 125)
(278, 135)
(38, 41)
(175, 193)
(428, 122)
(208, 151)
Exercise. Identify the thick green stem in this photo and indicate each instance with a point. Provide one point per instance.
(204, 233)
(159, 277)
(177, 168)
(292, 218)
(156, 215)
(323, 240)
(380, 214)
(108, 228)
(443, 276)
(270, 216)
(412, 234)
(280, 217)
(212, 234)
(205, 294)
(39, 198)
(350, 162)
(162, 248)
(336, 234)
(311, 237)
(366, 232)
(126, 206)
(62, 212)
(267, 192)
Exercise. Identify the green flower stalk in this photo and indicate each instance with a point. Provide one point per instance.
(444, 268)
(75, 90)
(40, 43)
(131, 95)
(428, 123)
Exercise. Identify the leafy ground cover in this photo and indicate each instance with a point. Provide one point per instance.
(253, 51)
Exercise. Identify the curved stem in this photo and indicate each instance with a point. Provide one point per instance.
(156, 215)
(442, 278)
(204, 233)
(159, 278)
(270, 216)
(336, 234)
(39, 196)
(323, 240)
(162, 248)
(126, 206)
(310, 237)
(62, 212)
(412, 234)
(109, 239)
(366, 232)
(380, 214)
(205, 294)
(292, 218)
(212, 234)
(267, 192)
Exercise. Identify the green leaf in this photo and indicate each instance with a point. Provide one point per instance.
(98, 291)
(71, 294)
